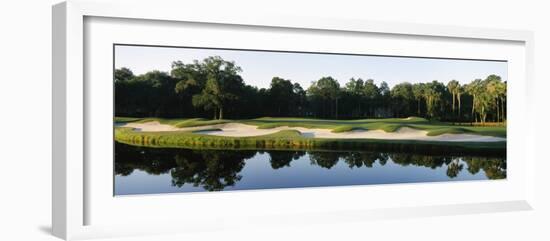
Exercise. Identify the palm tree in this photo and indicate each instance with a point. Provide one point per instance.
(418, 93)
(502, 90)
(499, 93)
(484, 102)
(459, 91)
(492, 92)
(452, 86)
(493, 89)
(474, 88)
(432, 95)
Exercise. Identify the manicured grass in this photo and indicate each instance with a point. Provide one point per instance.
(481, 124)
(180, 123)
(292, 139)
(161, 120)
(126, 119)
(332, 121)
(448, 130)
(388, 125)
(268, 126)
(434, 130)
(199, 122)
(208, 129)
(341, 129)
(286, 138)
(337, 126)
(272, 122)
(391, 127)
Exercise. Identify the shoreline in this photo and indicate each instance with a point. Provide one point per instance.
(248, 131)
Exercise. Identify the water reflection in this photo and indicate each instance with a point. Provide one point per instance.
(280, 159)
(212, 170)
(216, 170)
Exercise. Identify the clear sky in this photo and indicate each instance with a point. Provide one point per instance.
(259, 67)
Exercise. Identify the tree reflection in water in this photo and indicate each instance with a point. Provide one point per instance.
(279, 159)
(367, 159)
(214, 170)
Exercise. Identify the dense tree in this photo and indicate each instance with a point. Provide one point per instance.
(210, 98)
(373, 96)
(123, 74)
(299, 99)
(488, 98)
(213, 88)
(418, 94)
(191, 80)
(355, 89)
(282, 95)
(458, 92)
(454, 88)
(474, 89)
(403, 97)
(327, 89)
(496, 90)
(150, 94)
(433, 94)
(222, 84)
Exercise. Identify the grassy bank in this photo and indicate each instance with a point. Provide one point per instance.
(338, 126)
(292, 139)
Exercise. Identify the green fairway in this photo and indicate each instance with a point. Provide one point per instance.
(292, 139)
(338, 126)
(388, 125)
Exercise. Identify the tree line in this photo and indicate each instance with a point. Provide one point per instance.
(213, 88)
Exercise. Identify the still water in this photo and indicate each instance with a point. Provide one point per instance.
(142, 170)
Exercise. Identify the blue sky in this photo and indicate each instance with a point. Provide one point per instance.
(259, 67)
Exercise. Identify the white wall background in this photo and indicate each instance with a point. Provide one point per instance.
(25, 121)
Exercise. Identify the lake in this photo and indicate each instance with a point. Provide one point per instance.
(144, 170)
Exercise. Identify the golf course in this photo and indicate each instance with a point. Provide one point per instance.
(192, 119)
(303, 133)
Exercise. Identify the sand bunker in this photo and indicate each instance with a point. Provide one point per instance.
(243, 130)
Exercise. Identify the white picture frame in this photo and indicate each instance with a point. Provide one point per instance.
(71, 112)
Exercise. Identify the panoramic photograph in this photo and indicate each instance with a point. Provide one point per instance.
(192, 119)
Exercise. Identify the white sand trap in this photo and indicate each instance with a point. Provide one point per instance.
(236, 130)
(150, 126)
(155, 126)
(243, 130)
